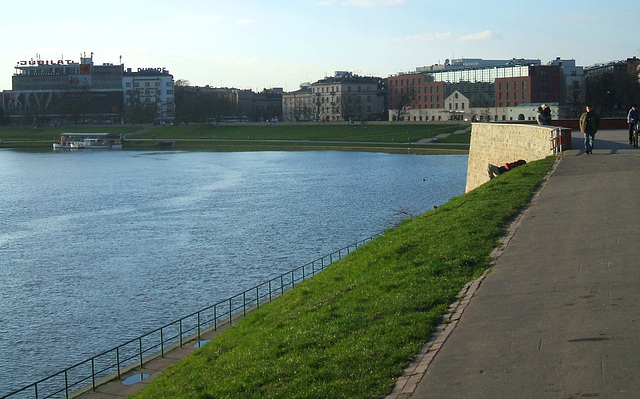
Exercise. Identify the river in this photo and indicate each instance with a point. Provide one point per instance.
(99, 247)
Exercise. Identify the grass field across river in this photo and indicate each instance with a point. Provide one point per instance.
(383, 137)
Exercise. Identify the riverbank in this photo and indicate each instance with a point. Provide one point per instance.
(351, 330)
(446, 138)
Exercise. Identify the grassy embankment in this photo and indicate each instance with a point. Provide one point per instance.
(351, 330)
(383, 137)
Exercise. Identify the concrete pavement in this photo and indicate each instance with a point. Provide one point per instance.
(558, 316)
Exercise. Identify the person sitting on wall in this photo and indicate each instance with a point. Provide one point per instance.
(494, 170)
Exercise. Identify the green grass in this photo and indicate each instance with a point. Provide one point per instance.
(350, 331)
(380, 137)
(386, 132)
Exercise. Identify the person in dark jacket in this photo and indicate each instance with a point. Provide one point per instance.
(546, 114)
(589, 124)
(539, 116)
(632, 118)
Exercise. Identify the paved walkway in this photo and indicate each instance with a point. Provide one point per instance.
(558, 316)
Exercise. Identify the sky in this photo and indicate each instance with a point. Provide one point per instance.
(257, 44)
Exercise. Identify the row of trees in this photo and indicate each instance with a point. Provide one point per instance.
(206, 104)
(612, 94)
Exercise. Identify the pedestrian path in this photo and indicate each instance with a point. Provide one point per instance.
(558, 316)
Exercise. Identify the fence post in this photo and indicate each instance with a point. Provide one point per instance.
(93, 374)
(244, 303)
(140, 348)
(215, 317)
(198, 326)
(161, 343)
(257, 297)
(66, 385)
(180, 323)
(118, 361)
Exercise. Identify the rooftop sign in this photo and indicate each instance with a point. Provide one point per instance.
(45, 62)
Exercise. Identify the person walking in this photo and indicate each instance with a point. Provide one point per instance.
(632, 118)
(589, 124)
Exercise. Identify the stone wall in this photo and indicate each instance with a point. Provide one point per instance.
(498, 144)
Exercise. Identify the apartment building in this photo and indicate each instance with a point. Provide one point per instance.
(412, 96)
(344, 97)
(64, 90)
(298, 106)
(151, 88)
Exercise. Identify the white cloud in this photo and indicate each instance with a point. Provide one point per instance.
(448, 36)
(578, 17)
(428, 37)
(199, 19)
(246, 21)
(362, 3)
(480, 36)
(374, 3)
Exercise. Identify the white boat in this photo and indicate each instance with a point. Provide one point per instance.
(90, 141)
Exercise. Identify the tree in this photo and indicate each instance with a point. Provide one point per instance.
(200, 104)
(403, 101)
(612, 93)
(4, 118)
(350, 107)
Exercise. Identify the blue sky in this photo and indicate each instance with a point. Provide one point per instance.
(280, 43)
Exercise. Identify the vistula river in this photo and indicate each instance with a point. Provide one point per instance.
(100, 247)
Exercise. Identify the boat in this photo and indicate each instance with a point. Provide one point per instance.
(89, 141)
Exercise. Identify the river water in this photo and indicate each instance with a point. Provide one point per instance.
(100, 247)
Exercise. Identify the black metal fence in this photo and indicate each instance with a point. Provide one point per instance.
(134, 353)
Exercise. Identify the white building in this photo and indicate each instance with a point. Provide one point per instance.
(150, 87)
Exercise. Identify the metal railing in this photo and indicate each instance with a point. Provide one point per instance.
(555, 138)
(111, 364)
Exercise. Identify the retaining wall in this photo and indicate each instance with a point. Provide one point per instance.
(498, 144)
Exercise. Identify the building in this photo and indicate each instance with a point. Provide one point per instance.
(267, 105)
(149, 89)
(298, 106)
(347, 97)
(66, 91)
(491, 87)
(412, 96)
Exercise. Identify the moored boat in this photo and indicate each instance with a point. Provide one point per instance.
(91, 141)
